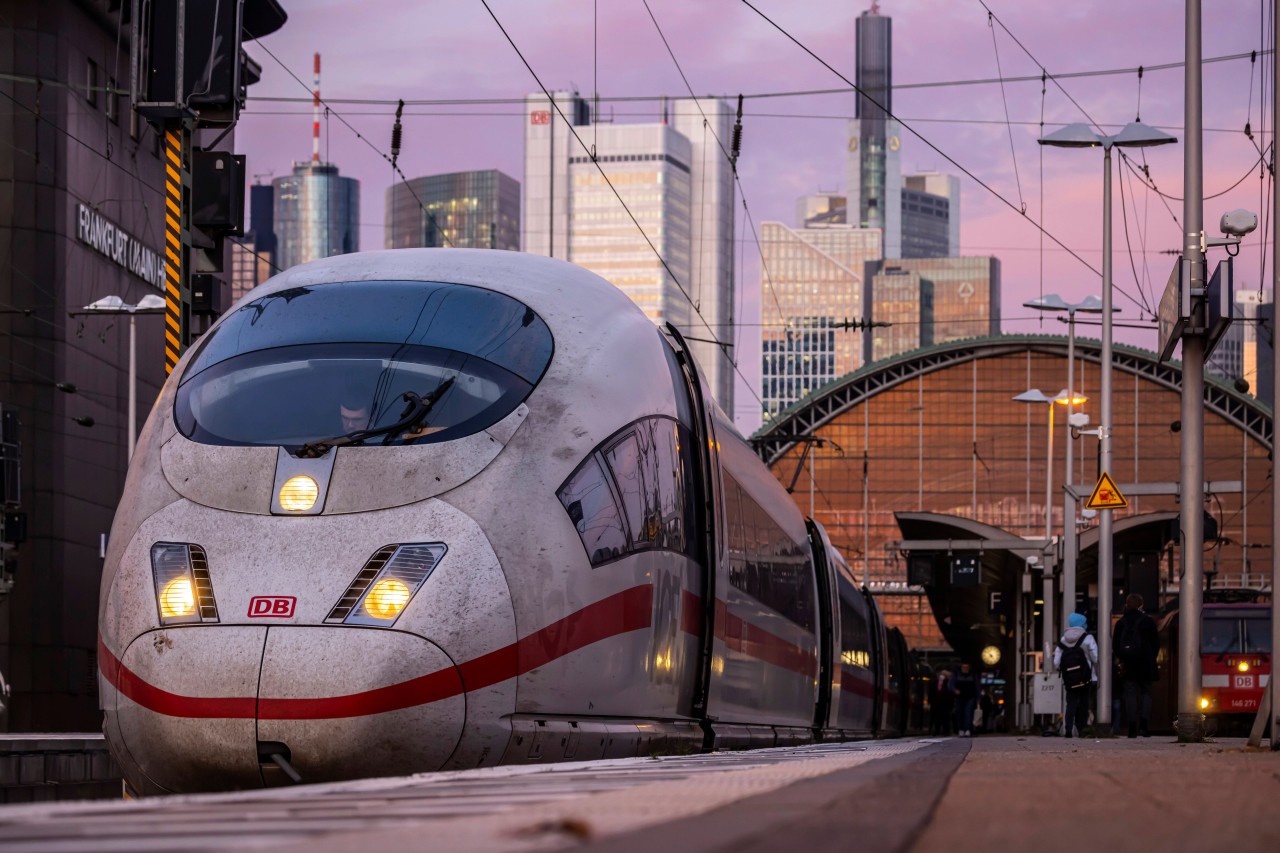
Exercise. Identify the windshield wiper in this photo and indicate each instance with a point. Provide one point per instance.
(414, 416)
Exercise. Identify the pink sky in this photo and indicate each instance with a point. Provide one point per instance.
(448, 50)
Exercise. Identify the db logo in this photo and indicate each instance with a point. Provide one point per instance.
(540, 117)
(272, 606)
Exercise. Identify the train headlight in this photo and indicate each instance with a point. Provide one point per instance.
(177, 599)
(386, 598)
(1243, 666)
(184, 593)
(386, 584)
(298, 494)
(1204, 702)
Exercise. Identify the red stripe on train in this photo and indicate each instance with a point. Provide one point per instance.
(622, 613)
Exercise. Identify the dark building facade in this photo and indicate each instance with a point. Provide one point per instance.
(82, 217)
(466, 210)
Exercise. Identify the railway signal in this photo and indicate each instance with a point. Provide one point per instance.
(188, 72)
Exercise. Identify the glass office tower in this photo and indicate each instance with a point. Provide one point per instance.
(317, 214)
(465, 210)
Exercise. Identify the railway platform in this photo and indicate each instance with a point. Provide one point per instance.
(919, 795)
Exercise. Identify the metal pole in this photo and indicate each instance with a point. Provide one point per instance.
(1190, 725)
(1068, 502)
(1048, 637)
(1105, 555)
(133, 387)
(1275, 481)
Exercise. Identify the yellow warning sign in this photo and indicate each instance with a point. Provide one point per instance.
(1106, 495)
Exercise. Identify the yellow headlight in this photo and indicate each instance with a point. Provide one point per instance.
(387, 598)
(177, 598)
(1243, 666)
(1204, 703)
(299, 494)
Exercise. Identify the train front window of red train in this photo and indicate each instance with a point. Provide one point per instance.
(1257, 635)
(1220, 636)
(317, 362)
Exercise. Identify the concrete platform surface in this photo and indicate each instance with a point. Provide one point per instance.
(1148, 794)
(1003, 794)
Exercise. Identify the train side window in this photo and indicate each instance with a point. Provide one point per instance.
(625, 463)
(589, 500)
(855, 637)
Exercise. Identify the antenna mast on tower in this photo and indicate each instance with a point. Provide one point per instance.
(315, 117)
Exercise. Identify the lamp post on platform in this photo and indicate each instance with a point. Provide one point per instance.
(1089, 305)
(149, 304)
(1135, 134)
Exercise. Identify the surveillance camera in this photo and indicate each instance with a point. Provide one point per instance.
(1238, 222)
(1242, 385)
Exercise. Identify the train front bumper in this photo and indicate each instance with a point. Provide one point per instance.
(205, 707)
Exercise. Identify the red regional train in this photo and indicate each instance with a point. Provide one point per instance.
(419, 510)
(1235, 664)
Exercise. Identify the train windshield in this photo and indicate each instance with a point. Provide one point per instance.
(321, 361)
(1233, 635)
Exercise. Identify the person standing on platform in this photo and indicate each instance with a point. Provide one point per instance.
(944, 704)
(964, 686)
(1136, 642)
(1076, 657)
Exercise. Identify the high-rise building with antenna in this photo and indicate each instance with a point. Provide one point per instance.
(317, 211)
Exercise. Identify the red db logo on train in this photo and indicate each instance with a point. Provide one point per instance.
(272, 606)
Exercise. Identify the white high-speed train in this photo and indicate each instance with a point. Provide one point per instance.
(435, 509)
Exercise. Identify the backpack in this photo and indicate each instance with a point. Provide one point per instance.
(1076, 672)
(1129, 646)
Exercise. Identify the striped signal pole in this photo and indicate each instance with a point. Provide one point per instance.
(177, 241)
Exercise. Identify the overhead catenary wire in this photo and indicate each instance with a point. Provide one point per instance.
(730, 154)
(929, 143)
(661, 260)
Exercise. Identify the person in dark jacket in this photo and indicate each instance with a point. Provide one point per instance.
(964, 685)
(944, 704)
(1135, 643)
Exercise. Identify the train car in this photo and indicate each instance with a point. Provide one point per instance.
(1235, 664)
(437, 509)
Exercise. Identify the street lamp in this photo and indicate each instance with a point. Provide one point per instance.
(149, 304)
(1135, 134)
(1089, 305)
(1063, 397)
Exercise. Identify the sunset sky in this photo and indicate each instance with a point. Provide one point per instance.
(795, 145)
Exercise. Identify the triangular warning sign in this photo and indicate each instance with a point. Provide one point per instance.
(1106, 495)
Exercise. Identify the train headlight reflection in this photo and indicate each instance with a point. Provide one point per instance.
(386, 599)
(299, 494)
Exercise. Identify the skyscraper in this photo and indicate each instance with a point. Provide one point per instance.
(874, 168)
(954, 298)
(317, 214)
(316, 211)
(919, 215)
(465, 210)
(674, 178)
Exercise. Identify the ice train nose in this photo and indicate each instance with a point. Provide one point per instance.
(195, 704)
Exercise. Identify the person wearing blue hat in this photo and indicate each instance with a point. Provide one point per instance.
(1076, 658)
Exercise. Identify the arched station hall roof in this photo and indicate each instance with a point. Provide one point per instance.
(863, 524)
(822, 405)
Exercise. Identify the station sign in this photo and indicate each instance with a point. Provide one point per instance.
(1173, 314)
(965, 571)
(119, 246)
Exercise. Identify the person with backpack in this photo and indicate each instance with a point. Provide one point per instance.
(1136, 642)
(1076, 657)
